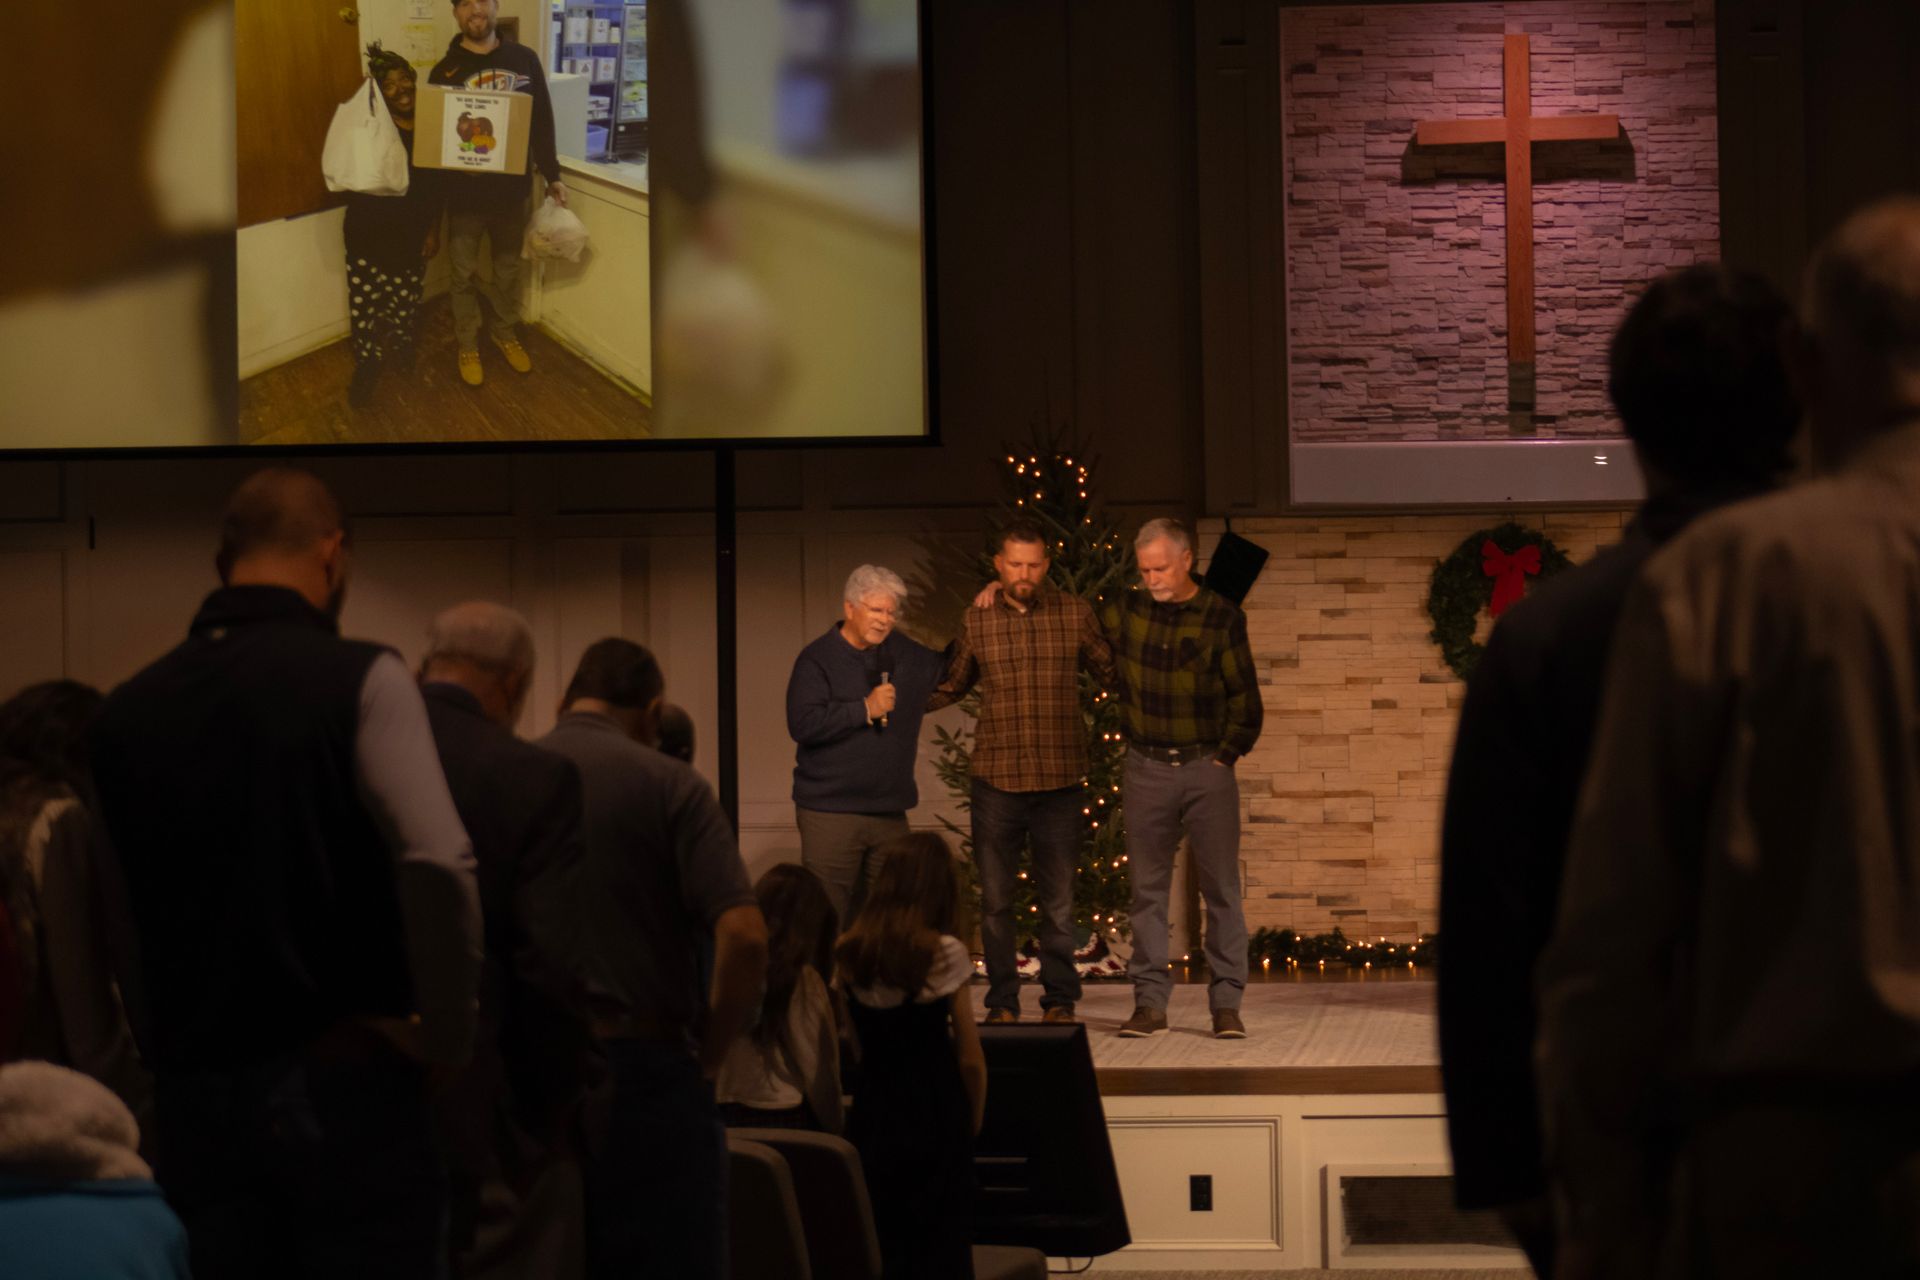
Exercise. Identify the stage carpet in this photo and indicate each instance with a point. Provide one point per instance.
(1376, 1035)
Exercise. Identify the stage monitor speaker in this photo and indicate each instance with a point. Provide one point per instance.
(1235, 564)
(1042, 1161)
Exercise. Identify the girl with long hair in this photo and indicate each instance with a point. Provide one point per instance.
(922, 1088)
(785, 1072)
(54, 886)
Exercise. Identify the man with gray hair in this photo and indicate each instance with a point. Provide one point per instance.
(1735, 970)
(516, 1206)
(854, 705)
(1192, 707)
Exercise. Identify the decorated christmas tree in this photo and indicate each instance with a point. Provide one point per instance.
(1052, 484)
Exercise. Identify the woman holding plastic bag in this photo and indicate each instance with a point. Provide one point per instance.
(389, 240)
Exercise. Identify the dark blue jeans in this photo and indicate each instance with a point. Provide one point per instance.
(309, 1167)
(1003, 823)
(656, 1168)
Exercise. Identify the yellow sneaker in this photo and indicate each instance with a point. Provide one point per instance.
(470, 370)
(516, 354)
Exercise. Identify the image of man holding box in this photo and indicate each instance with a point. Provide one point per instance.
(492, 207)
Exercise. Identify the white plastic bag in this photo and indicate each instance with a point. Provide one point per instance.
(364, 152)
(554, 232)
(721, 359)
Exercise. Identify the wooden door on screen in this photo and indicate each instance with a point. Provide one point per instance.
(295, 61)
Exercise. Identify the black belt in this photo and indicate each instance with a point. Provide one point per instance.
(1175, 756)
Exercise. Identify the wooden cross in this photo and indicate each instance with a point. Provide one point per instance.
(1519, 129)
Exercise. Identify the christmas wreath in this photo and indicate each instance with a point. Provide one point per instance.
(1488, 570)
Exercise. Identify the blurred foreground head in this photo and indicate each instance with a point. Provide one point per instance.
(1859, 355)
(1698, 374)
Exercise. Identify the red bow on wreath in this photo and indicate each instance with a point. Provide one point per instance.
(1509, 572)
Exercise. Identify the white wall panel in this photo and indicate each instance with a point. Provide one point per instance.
(398, 586)
(143, 581)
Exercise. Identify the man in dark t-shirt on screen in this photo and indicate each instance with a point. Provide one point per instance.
(492, 206)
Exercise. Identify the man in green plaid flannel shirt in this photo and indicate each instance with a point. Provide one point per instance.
(1192, 706)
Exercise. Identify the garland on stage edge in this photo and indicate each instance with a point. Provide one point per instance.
(1284, 947)
(1488, 570)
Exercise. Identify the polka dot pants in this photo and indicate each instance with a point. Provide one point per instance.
(382, 304)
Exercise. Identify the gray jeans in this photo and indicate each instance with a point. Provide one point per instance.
(839, 848)
(1203, 800)
(503, 230)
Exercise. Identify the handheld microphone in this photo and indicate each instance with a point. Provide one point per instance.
(886, 677)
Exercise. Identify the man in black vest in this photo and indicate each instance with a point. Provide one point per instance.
(307, 916)
(1697, 372)
(516, 1190)
(676, 951)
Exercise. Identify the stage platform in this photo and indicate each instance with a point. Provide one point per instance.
(1346, 1034)
(1323, 1134)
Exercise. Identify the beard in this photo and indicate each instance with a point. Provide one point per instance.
(486, 22)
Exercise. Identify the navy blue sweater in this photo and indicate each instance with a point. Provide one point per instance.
(844, 764)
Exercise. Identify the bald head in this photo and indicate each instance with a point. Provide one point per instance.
(1862, 321)
(283, 527)
(486, 649)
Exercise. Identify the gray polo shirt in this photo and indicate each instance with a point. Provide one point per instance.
(662, 865)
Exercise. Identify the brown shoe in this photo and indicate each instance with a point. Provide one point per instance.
(1059, 1013)
(1001, 1017)
(1144, 1022)
(1227, 1025)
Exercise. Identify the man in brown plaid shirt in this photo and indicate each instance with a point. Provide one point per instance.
(1024, 652)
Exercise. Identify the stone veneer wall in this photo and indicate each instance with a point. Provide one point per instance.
(1396, 254)
(1341, 798)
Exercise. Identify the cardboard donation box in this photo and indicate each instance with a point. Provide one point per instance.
(471, 131)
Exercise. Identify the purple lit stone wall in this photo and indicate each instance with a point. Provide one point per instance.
(1396, 256)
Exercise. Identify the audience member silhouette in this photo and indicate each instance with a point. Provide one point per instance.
(676, 732)
(922, 1087)
(675, 958)
(76, 1200)
(1697, 372)
(60, 889)
(785, 1072)
(307, 915)
(1730, 1017)
(516, 1195)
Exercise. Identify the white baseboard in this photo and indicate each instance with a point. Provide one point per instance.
(257, 362)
